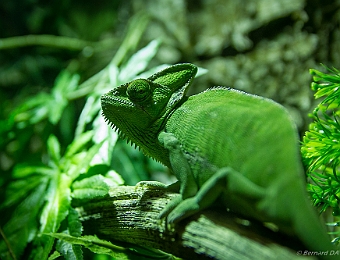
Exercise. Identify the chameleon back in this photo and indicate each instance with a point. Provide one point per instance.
(224, 127)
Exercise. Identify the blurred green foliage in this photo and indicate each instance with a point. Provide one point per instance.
(58, 149)
(58, 57)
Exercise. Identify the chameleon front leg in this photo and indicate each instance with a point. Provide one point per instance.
(181, 168)
(179, 164)
(194, 200)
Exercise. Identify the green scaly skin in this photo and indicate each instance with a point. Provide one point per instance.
(221, 144)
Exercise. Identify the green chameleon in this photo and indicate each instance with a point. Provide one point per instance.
(222, 145)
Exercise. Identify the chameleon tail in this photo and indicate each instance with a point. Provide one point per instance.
(312, 232)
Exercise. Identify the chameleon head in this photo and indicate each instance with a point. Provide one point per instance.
(139, 108)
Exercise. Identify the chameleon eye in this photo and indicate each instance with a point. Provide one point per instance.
(139, 90)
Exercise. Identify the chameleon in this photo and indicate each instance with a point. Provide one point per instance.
(223, 145)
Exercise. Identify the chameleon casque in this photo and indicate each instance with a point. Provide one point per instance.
(222, 144)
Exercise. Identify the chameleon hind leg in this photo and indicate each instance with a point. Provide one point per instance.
(224, 180)
(194, 200)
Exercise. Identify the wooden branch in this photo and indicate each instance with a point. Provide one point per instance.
(129, 214)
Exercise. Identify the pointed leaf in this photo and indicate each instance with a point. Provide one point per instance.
(95, 186)
(64, 84)
(25, 170)
(75, 227)
(33, 110)
(79, 143)
(53, 147)
(138, 62)
(100, 246)
(70, 251)
(18, 190)
(53, 213)
(94, 244)
(91, 108)
(22, 227)
(105, 135)
(55, 255)
(56, 209)
(82, 161)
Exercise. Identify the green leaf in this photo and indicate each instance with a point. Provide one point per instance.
(53, 147)
(18, 190)
(320, 76)
(22, 226)
(54, 212)
(100, 246)
(58, 203)
(138, 62)
(75, 227)
(45, 105)
(55, 255)
(132, 165)
(94, 244)
(32, 111)
(91, 108)
(115, 177)
(92, 187)
(79, 143)
(64, 84)
(135, 31)
(105, 135)
(81, 162)
(113, 73)
(69, 251)
(25, 170)
(41, 247)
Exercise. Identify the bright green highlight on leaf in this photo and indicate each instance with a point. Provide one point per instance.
(92, 187)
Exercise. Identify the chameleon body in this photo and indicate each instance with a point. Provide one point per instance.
(223, 145)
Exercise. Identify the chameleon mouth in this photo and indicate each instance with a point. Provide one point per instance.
(112, 106)
(110, 100)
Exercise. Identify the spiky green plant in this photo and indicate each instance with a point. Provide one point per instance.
(321, 144)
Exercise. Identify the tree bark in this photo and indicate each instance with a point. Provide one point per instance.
(130, 214)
